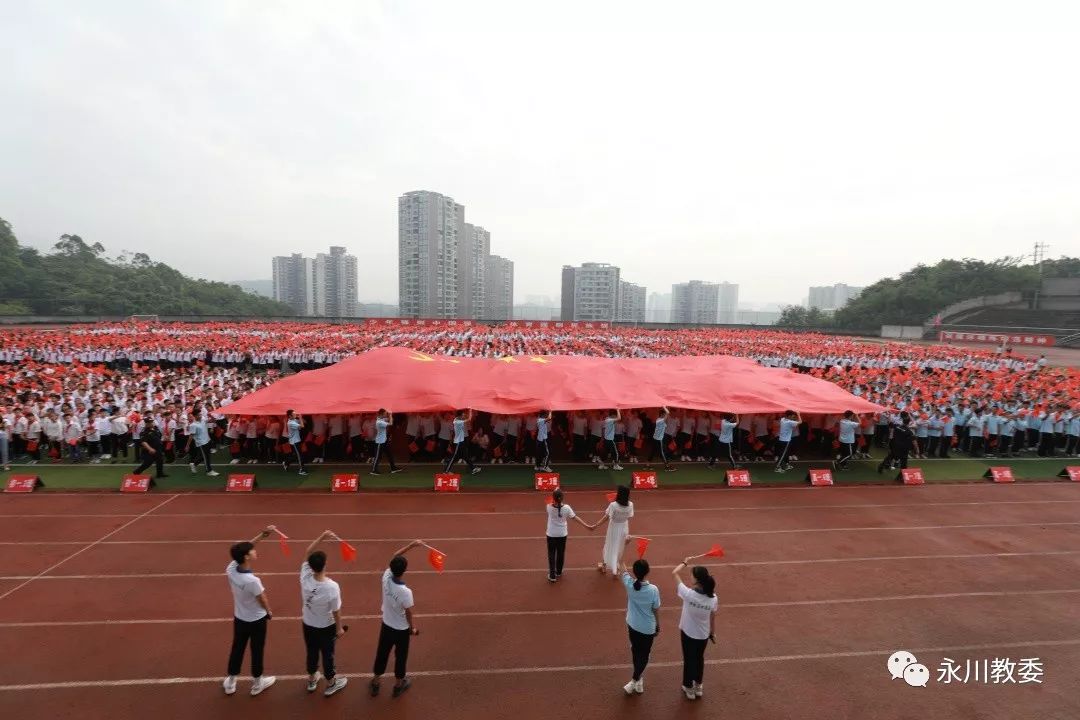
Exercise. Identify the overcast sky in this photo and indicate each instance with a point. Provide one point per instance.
(773, 144)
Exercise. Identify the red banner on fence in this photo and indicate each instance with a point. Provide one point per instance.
(447, 482)
(644, 480)
(819, 477)
(547, 481)
(738, 478)
(23, 483)
(345, 483)
(995, 338)
(240, 483)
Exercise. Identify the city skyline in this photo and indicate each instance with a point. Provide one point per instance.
(323, 286)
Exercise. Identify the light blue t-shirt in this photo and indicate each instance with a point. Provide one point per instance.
(847, 431)
(541, 429)
(658, 431)
(380, 430)
(459, 431)
(787, 429)
(198, 431)
(727, 428)
(640, 605)
(609, 428)
(294, 431)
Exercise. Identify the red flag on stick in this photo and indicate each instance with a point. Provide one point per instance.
(642, 546)
(716, 551)
(283, 541)
(348, 552)
(436, 558)
(611, 497)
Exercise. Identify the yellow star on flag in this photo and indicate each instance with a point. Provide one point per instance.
(539, 359)
(417, 355)
(507, 359)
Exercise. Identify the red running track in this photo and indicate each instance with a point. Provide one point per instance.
(115, 607)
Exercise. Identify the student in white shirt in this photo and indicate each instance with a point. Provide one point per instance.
(696, 624)
(251, 613)
(320, 598)
(5, 437)
(397, 623)
(558, 517)
(617, 515)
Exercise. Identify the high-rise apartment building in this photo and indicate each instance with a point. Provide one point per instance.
(727, 310)
(833, 297)
(443, 261)
(499, 289)
(631, 302)
(325, 286)
(294, 283)
(590, 292)
(658, 309)
(695, 302)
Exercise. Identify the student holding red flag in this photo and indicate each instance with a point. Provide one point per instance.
(251, 613)
(558, 515)
(618, 512)
(320, 598)
(696, 623)
(397, 623)
(642, 615)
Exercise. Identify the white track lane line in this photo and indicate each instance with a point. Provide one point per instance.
(591, 611)
(583, 538)
(89, 546)
(482, 513)
(586, 568)
(883, 653)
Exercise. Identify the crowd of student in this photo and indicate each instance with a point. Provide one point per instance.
(115, 392)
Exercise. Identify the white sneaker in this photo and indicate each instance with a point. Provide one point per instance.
(229, 685)
(212, 473)
(698, 690)
(313, 683)
(690, 693)
(616, 467)
(601, 467)
(628, 688)
(639, 686)
(192, 467)
(262, 683)
(338, 684)
(234, 461)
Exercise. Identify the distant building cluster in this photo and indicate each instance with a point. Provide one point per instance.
(445, 265)
(832, 297)
(596, 292)
(323, 286)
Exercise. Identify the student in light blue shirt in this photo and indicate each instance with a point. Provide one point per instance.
(847, 427)
(462, 448)
(642, 618)
(611, 450)
(293, 425)
(658, 440)
(543, 452)
(383, 421)
(724, 435)
(198, 444)
(788, 423)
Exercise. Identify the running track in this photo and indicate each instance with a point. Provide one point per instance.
(115, 606)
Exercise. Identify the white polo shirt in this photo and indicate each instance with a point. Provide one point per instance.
(319, 599)
(696, 609)
(557, 521)
(245, 588)
(396, 599)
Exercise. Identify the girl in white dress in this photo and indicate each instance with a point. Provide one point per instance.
(617, 516)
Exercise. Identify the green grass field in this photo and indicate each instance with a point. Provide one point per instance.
(510, 477)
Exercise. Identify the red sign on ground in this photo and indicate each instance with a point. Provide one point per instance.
(819, 477)
(644, 480)
(136, 483)
(240, 483)
(1072, 472)
(1000, 474)
(738, 478)
(447, 482)
(547, 481)
(345, 483)
(912, 476)
(23, 483)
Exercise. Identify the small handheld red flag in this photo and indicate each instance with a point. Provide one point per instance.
(283, 541)
(348, 552)
(716, 551)
(611, 497)
(436, 559)
(642, 546)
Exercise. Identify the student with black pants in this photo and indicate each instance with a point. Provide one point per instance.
(153, 449)
(901, 442)
(397, 623)
(558, 516)
(251, 613)
(696, 624)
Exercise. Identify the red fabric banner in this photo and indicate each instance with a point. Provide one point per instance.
(405, 380)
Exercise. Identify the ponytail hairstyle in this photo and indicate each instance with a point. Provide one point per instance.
(641, 569)
(704, 580)
(556, 497)
(622, 495)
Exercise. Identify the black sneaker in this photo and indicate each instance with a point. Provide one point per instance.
(405, 685)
